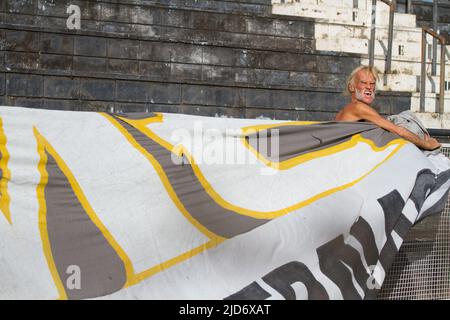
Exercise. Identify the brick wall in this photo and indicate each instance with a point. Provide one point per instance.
(200, 57)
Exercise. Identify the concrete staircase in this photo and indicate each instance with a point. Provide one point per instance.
(344, 26)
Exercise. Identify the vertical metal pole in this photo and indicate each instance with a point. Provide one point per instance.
(442, 78)
(372, 33)
(435, 19)
(408, 6)
(422, 72)
(390, 37)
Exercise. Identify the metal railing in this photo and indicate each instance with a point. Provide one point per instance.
(408, 6)
(392, 6)
(435, 28)
(442, 41)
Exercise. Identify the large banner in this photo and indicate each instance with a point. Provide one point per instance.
(171, 206)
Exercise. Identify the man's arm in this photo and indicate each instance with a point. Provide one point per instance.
(369, 114)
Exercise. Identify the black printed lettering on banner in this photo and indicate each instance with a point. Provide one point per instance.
(336, 257)
(282, 278)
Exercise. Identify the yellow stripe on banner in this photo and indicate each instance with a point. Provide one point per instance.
(179, 149)
(157, 118)
(169, 263)
(164, 179)
(255, 128)
(277, 213)
(214, 241)
(142, 127)
(42, 216)
(290, 163)
(43, 145)
(6, 176)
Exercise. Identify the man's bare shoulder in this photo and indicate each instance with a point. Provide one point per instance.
(355, 111)
(361, 109)
(361, 105)
(348, 113)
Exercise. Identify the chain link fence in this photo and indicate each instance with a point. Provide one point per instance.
(421, 270)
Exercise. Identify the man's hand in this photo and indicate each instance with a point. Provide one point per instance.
(431, 143)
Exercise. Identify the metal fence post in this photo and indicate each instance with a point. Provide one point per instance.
(392, 7)
(372, 33)
(422, 72)
(408, 6)
(388, 62)
(442, 42)
(442, 78)
(435, 29)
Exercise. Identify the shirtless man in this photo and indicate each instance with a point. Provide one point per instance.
(361, 86)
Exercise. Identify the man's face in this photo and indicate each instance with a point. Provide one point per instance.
(364, 87)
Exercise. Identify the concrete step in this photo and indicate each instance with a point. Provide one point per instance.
(346, 15)
(402, 50)
(433, 120)
(411, 83)
(406, 67)
(431, 102)
(361, 4)
(324, 29)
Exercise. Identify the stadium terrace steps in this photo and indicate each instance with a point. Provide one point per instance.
(172, 56)
(405, 82)
(324, 30)
(344, 26)
(343, 14)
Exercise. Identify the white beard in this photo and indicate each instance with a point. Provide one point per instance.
(360, 95)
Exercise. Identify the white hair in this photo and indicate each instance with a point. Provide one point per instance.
(351, 78)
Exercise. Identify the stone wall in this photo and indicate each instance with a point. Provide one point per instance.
(229, 58)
